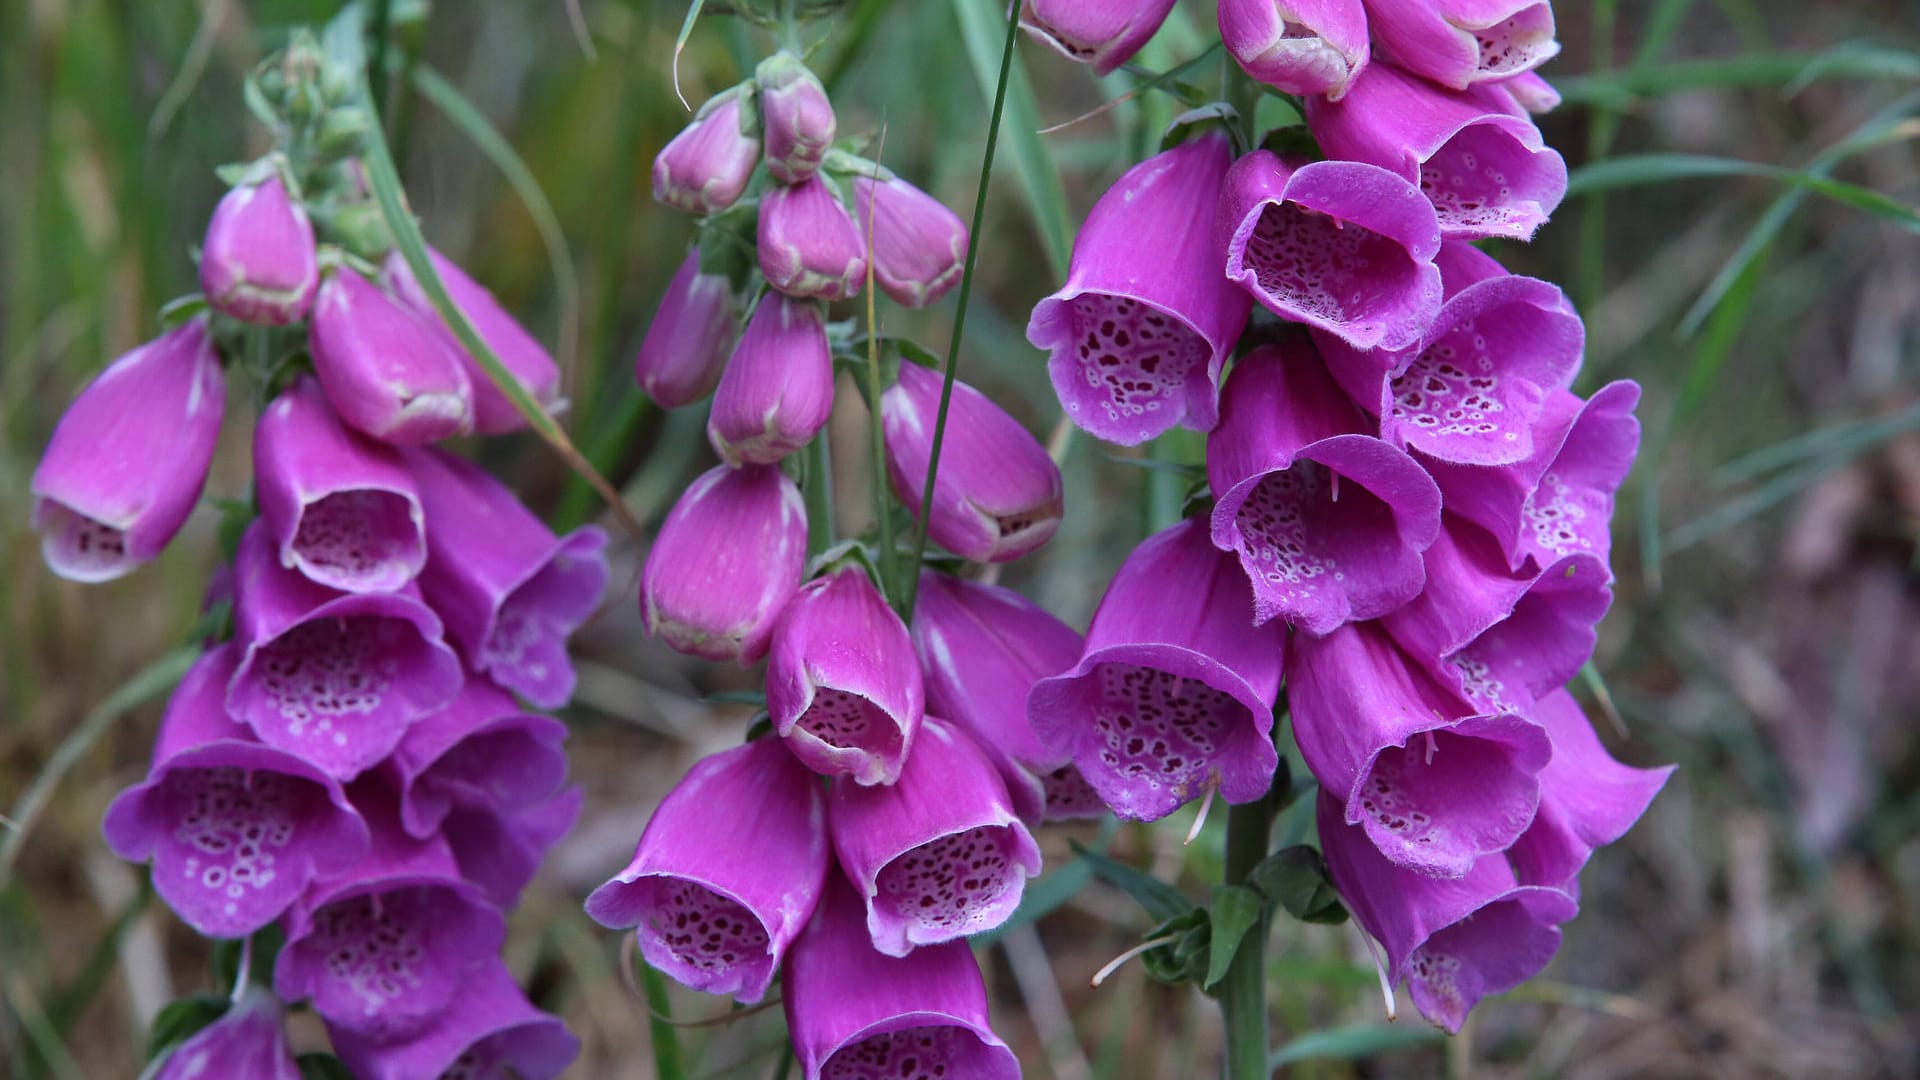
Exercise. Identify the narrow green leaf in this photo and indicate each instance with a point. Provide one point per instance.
(668, 1064)
(1234, 911)
(1793, 71)
(474, 125)
(319, 1066)
(179, 1020)
(1353, 1042)
(982, 25)
(1641, 169)
(1161, 900)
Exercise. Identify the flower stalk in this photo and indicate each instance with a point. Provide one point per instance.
(1243, 993)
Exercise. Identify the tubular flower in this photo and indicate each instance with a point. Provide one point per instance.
(777, 391)
(258, 263)
(730, 555)
(1297, 46)
(1104, 33)
(387, 372)
(1460, 42)
(705, 168)
(687, 343)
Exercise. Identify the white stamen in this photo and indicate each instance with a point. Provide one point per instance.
(1380, 968)
(1200, 819)
(1114, 964)
(1433, 747)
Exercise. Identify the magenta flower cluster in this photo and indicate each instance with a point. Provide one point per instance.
(1410, 506)
(858, 892)
(351, 762)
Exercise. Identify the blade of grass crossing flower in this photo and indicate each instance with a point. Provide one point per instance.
(385, 182)
(150, 682)
(667, 1061)
(680, 46)
(454, 106)
(962, 7)
(1005, 78)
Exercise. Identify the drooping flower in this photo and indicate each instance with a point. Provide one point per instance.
(919, 246)
(809, 247)
(528, 361)
(1452, 940)
(981, 649)
(1329, 524)
(494, 1032)
(1474, 387)
(500, 850)
(1484, 168)
(1502, 637)
(340, 507)
(1461, 42)
(1140, 332)
(689, 339)
(1297, 46)
(855, 1012)
(388, 947)
(235, 828)
(843, 686)
(128, 459)
(1104, 33)
(334, 677)
(1342, 246)
(1587, 799)
(997, 493)
(940, 853)
(510, 591)
(795, 116)
(387, 372)
(1431, 781)
(480, 750)
(249, 1041)
(705, 168)
(1558, 501)
(258, 263)
(727, 872)
(1174, 692)
(729, 556)
(777, 391)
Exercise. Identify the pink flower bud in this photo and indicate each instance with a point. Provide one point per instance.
(1459, 42)
(727, 560)
(809, 245)
(687, 343)
(1298, 46)
(996, 495)
(127, 461)
(257, 263)
(386, 372)
(529, 361)
(706, 167)
(1104, 33)
(777, 391)
(919, 246)
(796, 115)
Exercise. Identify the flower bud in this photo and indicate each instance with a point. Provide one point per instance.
(686, 346)
(1297, 46)
(843, 685)
(727, 560)
(796, 116)
(1459, 42)
(996, 495)
(250, 1040)
(128, 459)
(777, 391)
(919, 246)
(387, 373)
(1104, 33)
(706, 167)
(809, 245)
(341, 507)
(257, 263)
(525, 358)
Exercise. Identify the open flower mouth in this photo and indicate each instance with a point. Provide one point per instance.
(81, 548)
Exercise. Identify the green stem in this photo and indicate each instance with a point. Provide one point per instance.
(819, 496)
(1243, 993)
(960, 311)
(380, 30)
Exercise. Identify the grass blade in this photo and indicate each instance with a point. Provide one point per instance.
(1641, 169)
(1352, 1042)
(1046, 198)
(474, 125)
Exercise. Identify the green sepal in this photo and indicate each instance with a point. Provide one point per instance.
(180, 1020)
(1236, 909)
(1184, 959)
(1296, 879)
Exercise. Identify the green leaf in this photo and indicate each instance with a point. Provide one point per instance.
(982, 26)
(755, 698)
(1847, 60)
(667, 1061)
(319, 1066)
(1184, 957)
(1235, 910)
(1641, 169)
(1296, 879)
(474, 125)
(180, 1019)
(1353, 1042)
(1161, 900)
